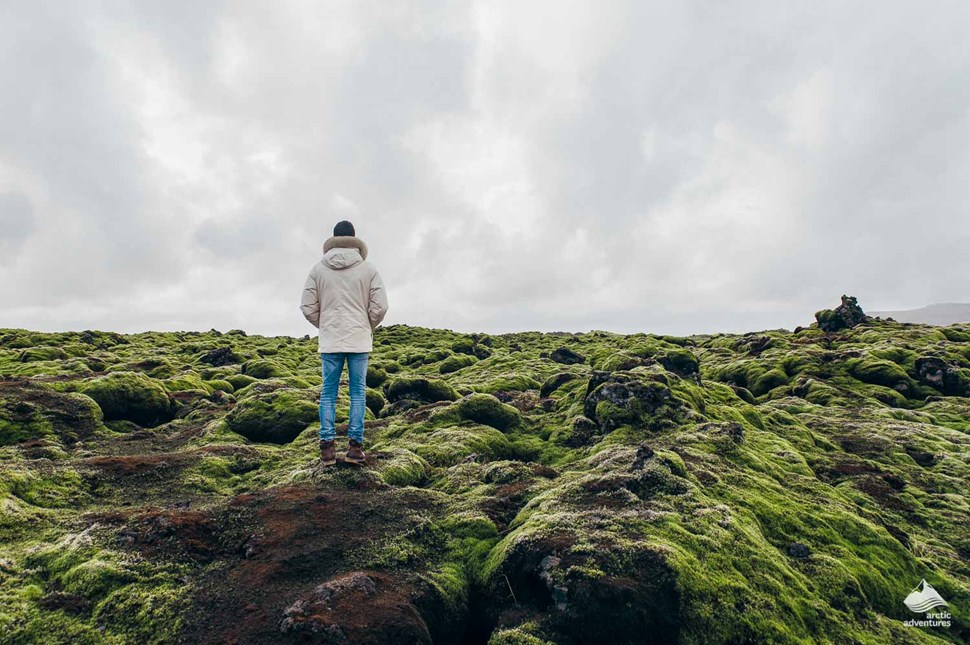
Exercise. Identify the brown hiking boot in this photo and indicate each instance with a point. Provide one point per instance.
(327, 453)
(355, 454)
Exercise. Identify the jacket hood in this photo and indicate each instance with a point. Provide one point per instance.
(343, 252)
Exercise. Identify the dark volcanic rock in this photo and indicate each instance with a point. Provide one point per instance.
(29, 411)
(566, 356)
(276, 417)
(614, 399)
(220, 356)
(845, 316)
(946, 378)
(798, 551)
(555, 382)
(419, 389)
(681, 362)
(355, 607)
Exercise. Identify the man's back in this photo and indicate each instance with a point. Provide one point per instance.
(344, 297)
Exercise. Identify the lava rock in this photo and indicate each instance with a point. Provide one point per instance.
(616, 399)
(30, 412)
(220, 356)
(798, 551)
(566, 356)
(946, 378)
(419, 389)
(845, 316)
(488, 410)
(555, 382)
(681, 362)
(275, 417)
(131, 396)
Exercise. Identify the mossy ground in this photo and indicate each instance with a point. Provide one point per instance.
(768, 487)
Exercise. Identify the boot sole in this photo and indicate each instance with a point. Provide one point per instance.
(332, 462)
(356, 462)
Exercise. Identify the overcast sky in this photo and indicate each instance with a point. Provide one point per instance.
(667, 167)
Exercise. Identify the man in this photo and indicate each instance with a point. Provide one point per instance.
(344, 298)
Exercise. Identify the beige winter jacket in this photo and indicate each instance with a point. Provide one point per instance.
(344, 297)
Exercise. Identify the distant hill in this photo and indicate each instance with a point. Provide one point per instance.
(946, 313)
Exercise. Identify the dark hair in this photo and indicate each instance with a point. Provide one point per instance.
(344, 229)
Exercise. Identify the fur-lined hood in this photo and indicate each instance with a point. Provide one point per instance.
(343, 252)
(346, 242)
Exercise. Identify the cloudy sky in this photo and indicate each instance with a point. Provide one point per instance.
(666, 167)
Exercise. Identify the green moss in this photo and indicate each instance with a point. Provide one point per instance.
(375, 376)
(643, 498)
(262, 368)
(401, 467)
(186, 382)
(455, 363)
(239, 381)
(769, 381)
(449, 446)
(130, 396)
(220, 385)
(275, 417)
(34, 412)
(420, 389)
(32, 354)
(879, 372)
(511, 383)
(484, 409)
(680, 361)
(375, 400)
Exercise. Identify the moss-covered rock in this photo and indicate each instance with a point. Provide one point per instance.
(419, 389)
(131, 396)
(555, 382)
(846, 316)
(618, 398)
(239, 381)
(375, 400)
(376, 376)
(32, 354)
(33, 412)
(261, 368)
(511, 383)
(566, 356)
(455, 363)
(484, 409)
(274, 417)
(681, 362)
(187, 382)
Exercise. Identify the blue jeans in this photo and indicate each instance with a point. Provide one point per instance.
(332, 366)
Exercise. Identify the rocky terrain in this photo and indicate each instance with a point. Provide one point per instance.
(524, 488)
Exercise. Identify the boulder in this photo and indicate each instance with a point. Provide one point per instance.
(275, 417)
(487, 410)
(131, 396)
(419, 389)
(937, 373)
(616, 398)
(845, 316)
(220, 356)
(681, 362)
(566, 356)
(555, 382)
(31, 412)
(262, 368)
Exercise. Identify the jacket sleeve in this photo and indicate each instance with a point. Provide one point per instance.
(310, 302)
(377, 307)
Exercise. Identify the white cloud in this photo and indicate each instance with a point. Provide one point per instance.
(568, 165)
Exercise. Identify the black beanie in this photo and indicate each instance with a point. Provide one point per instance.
(344, 229)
